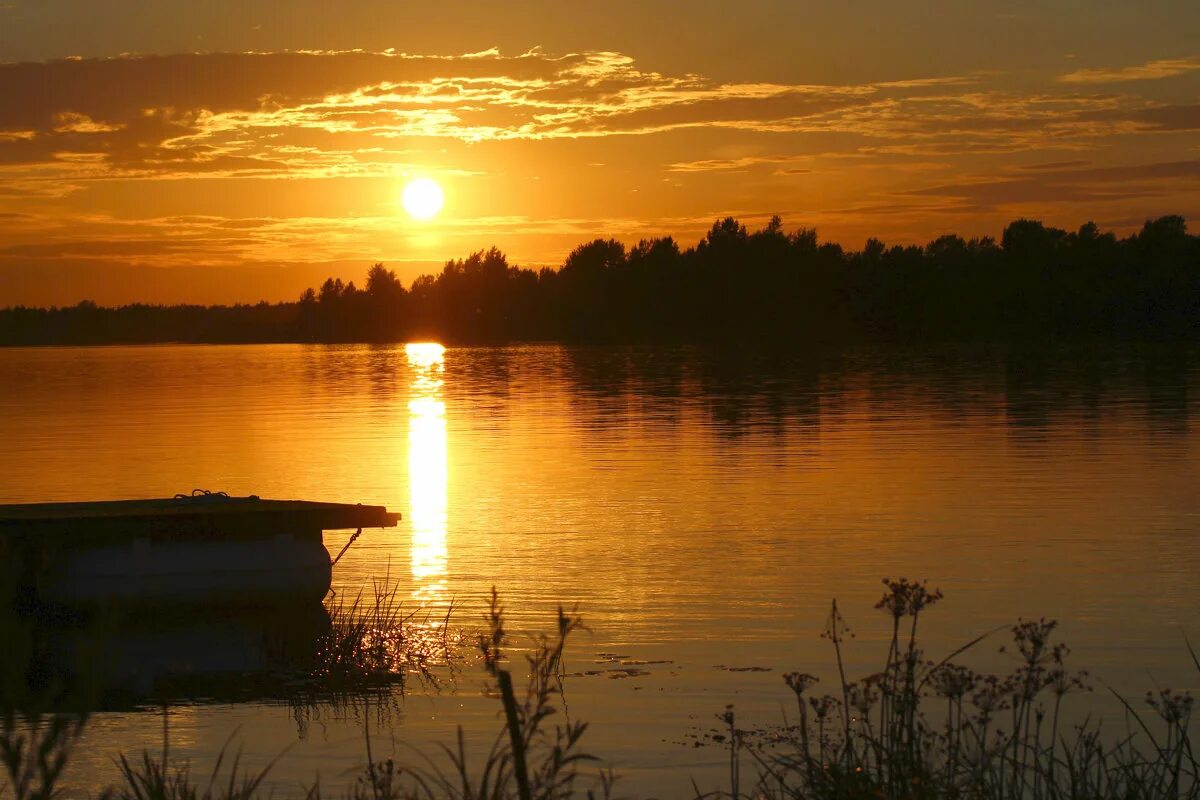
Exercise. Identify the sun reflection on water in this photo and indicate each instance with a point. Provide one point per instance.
(427, 473)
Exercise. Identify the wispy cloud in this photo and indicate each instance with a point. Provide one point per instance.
(1069, 183)
(346, 113)
(1150, 71)
(727, 164)
(339, 113)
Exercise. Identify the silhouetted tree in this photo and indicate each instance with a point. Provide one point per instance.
(766, 285)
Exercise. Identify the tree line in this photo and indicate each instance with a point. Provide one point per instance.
(765, 285)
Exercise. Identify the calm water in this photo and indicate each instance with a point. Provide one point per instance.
(700, 508)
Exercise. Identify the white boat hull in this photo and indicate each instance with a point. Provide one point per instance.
(254, 572)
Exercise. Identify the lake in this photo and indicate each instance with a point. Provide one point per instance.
(701, 508)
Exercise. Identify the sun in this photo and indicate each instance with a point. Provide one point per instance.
(422, 198)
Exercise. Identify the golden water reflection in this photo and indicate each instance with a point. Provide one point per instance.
(427, 474)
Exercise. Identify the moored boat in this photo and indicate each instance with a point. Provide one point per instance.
(199, 549)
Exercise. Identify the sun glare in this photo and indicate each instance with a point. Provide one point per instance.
(427, 473)
(425, 354)
(422, 198)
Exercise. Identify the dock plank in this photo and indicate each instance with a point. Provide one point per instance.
(209, 514)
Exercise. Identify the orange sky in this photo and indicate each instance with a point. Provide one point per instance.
(225, 151)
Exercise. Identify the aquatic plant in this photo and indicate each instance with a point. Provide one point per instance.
(918, 728)
(369, 650)
(156, 777)
(42, 716)
(937, 729)
(34, 748)
(529, 759)
(376, 639)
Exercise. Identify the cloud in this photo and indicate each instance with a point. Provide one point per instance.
(1150, 71)
(1172, 117)
(338, 113)
(731, 164)
(1063, 184)
(355, 114)
(207, 240)
(1054, 165)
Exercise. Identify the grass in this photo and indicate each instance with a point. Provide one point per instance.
(369, 652)
(919, 728)
(158, 778)
(528, 760)
(922, 728)
(373, 640)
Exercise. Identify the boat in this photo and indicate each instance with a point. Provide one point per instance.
(199, 549)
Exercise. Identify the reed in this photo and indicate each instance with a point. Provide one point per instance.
(373, 638)
(922, 728)
(156, 777)
(37, 738)
(369, 652)
(918, 728)
(529, 759)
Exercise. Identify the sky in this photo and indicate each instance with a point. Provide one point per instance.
(170, 151)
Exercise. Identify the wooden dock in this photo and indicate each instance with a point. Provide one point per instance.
(198, 516)
(199, 549)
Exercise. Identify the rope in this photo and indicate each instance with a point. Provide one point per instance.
(353, 536)
(203, 494)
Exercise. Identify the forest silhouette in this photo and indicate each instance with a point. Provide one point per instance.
(765, 285)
